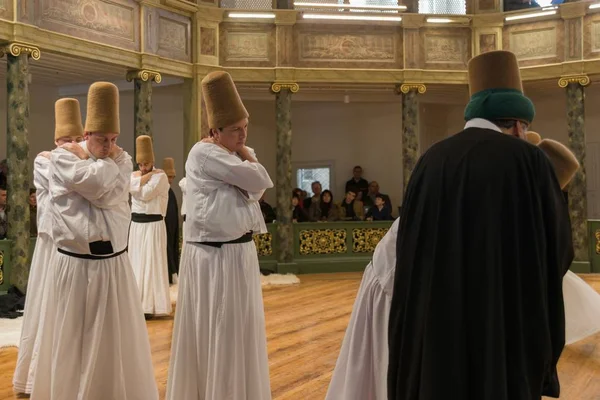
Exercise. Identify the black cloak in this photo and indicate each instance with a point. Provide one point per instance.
(172, 222)
(483, 244)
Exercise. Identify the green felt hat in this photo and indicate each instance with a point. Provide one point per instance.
(496, 89)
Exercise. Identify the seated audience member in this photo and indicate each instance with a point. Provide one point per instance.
(358, 182)
(351, 208)
(301, 196)
(267, 211)
(298, 213)
(316, 197)
(369, 200)
(325, 209)
(379, 212)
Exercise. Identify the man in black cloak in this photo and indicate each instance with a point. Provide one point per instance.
(484, 241)
(172, 221)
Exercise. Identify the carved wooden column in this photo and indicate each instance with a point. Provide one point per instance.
(574, 86)
(17, 150)
(195, 120)
(283, 111)
(410, 127)
(142, 101)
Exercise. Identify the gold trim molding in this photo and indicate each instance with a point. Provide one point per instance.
(292, 86)
(407, 87)
(144, 75)
(16, 49)
(564, 81)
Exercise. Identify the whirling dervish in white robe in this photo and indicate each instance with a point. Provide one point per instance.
(361, 369)
(148, 233)
(93, 341)
(68, 128)
(219, 347)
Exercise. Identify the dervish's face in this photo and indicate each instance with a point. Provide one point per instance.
(232, 137)
(171, 178)
(68, 139)
(100, 145)
(145, 167)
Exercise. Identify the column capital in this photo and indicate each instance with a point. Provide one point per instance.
(292, 86)
(404, 88)
(16, 49)
(564, 81)
(144, 75)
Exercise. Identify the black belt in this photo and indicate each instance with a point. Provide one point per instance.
(145, 218)
(100, 251)
(183, 217)
(244, 239)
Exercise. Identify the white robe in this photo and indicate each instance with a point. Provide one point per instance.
(219, 347)
(93, 341)
(37, 284)
(148, 244)
(361, 369)
(182, 187)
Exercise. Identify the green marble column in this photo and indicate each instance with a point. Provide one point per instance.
(578, 186)
(17, 150)
(142, 101)
(283, 111)
(410, 128)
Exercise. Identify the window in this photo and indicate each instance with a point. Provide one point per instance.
(307, 174)
(247, 4)
(442, 7)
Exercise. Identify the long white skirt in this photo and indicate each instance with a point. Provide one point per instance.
(219, 346)
(93, 341)
(148, 253)
(361, 369)
(36, 289)
(582, 308)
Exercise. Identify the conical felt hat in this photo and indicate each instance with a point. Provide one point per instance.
(534, 138)
(224, 106)
(103, 108)
(144, 152)
(67, 117)
(169, 166)
(564, 161)
(496, 89)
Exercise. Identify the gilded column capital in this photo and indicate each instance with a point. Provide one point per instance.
(16, 49)
(292, 86)
(564, 81)
(404, 88)
(144, 75)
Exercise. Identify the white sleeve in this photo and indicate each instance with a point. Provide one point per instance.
(156, 185)
(252, 177)
(102, 182)
(41, 173)
(182, 185)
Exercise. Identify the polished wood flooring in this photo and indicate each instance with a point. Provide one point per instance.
(305, 328)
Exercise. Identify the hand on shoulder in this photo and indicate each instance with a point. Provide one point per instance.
(137, 174)
(45, 154)
(75, 149)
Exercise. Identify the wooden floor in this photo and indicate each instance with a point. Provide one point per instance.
(305, 328)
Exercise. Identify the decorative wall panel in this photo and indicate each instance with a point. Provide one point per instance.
(347, 46)
(113, 22)
(536, 43)
(573, 36)
(247, 45)
(208, 41)
(168, 34)
(444, 48)
(412, 48)
(6, 9)
(591, 36)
